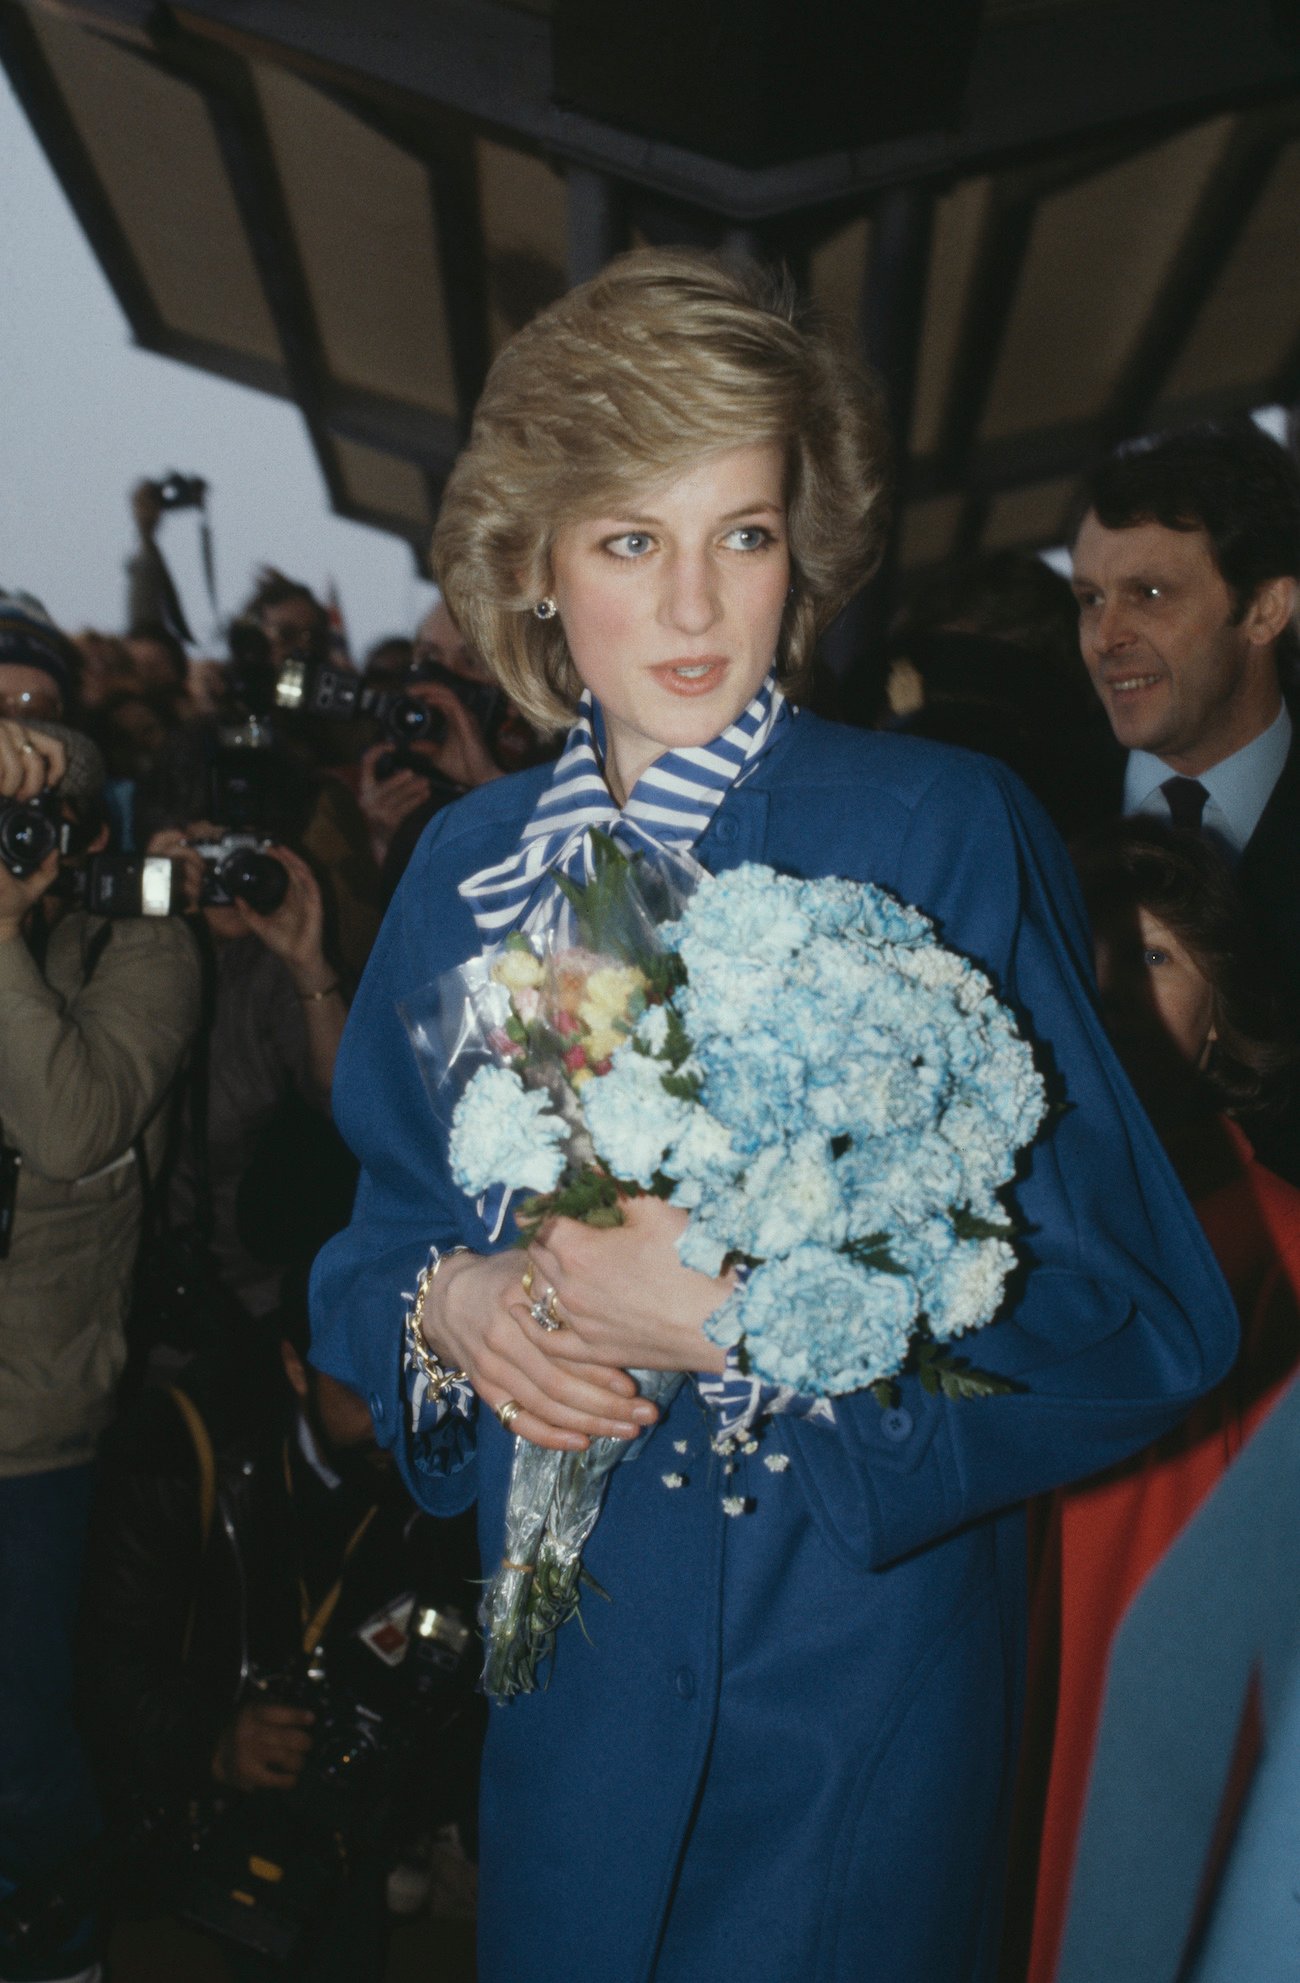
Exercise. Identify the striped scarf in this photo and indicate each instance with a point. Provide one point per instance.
(670, 806)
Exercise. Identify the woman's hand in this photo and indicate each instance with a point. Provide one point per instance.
(477, 1320)
(623, 1295)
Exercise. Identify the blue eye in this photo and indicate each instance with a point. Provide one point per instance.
(748, 537)
(631, 544)
(1154, 958)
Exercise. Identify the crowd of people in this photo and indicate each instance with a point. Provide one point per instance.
(237, 1644)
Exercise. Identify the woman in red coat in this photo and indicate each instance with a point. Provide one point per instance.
(1201, 1027)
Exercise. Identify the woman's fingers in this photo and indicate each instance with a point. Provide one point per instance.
(574, 1398)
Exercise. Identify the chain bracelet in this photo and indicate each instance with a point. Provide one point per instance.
(436, 1373)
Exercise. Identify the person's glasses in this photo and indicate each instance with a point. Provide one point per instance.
(43, 703)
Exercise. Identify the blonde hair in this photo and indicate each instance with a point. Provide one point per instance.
(625, 383)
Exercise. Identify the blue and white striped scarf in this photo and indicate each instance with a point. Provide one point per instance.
(670, 807)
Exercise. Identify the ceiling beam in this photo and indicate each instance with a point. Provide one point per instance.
(38, 93)
(1218, 223)
(1040, 82)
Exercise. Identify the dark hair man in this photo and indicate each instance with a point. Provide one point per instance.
(1185, 570)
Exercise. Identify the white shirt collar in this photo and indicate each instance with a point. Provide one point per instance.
(311, 1452)
(1239, 786)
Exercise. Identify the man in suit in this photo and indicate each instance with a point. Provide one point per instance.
(1185, 570)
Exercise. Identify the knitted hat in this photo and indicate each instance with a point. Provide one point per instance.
(30, 639)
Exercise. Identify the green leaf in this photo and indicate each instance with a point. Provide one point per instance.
(886, 1393)
(593, 1196)
(966, 1225)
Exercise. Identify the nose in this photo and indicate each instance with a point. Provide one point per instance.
(689, 602)
(1111, 631)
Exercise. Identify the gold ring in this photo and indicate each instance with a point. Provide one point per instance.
(509, 1412)
(530, 1275)
(553, 1315)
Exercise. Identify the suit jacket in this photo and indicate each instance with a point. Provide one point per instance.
(1270, 865)
(789, 1733)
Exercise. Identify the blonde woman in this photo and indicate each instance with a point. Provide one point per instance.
(782, 1745)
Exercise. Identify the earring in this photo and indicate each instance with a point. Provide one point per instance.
(546, 609)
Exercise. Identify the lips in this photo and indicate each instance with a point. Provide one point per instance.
(690, 675)
(1130, 684)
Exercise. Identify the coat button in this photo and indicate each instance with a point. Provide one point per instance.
(896, 1425)
(684, 1682)
(376, 1408)
(725, 832)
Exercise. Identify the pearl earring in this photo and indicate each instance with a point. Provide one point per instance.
(546, 609)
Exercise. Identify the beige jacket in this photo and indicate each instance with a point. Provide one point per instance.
(85, 1065)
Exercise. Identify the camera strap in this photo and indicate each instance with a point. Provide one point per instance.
(316, 1621)
(206, 1461)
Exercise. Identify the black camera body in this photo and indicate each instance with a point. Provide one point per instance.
(30, 831)
(238, 867)
(404, 719)
(181, 492)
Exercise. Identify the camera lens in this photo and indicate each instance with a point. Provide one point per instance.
(410, 718)
(257, 879)
(27, 837)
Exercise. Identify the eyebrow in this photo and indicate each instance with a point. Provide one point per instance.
(761, 507)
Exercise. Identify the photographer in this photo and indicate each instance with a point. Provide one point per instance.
(97, 1020)
(257, 1165)
(480, 737)
(249, 1535)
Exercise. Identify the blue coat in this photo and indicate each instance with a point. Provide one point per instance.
(784, 1742)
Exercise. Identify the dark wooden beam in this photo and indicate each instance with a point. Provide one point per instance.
(1042, 82)
(47, 113)
(999, 263)
(892, 311)
(226, 85)
(597, 222)
(1221, 217)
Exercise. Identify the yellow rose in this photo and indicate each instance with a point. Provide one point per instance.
(602, 1040)
(609, 992)
(518, 970)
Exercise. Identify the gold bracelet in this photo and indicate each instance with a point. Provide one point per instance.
(438, 1377)
(312, 998)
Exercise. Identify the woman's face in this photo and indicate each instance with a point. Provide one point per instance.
(672, 607)
(1155, 998)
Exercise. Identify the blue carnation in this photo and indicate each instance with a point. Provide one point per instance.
(503, 1133)
(816, 1321)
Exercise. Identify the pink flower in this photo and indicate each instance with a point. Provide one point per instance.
(567, 1022)
(575, 1058)
(500, 1042)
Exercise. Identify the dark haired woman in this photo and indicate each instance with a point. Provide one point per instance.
(1203, 1029)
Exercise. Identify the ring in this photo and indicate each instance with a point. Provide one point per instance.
(530, 1275)
(508, 1412)
(544, 1312)
(26, 750)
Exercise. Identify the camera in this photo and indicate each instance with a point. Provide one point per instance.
(30, 831)
(181, 492)
(383, 1734)
(403, 718)
(122, 885)
(238, 867)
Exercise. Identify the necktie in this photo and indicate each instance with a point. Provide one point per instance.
(1185, 798)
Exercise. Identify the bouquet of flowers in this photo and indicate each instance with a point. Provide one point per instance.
(836, 1099)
